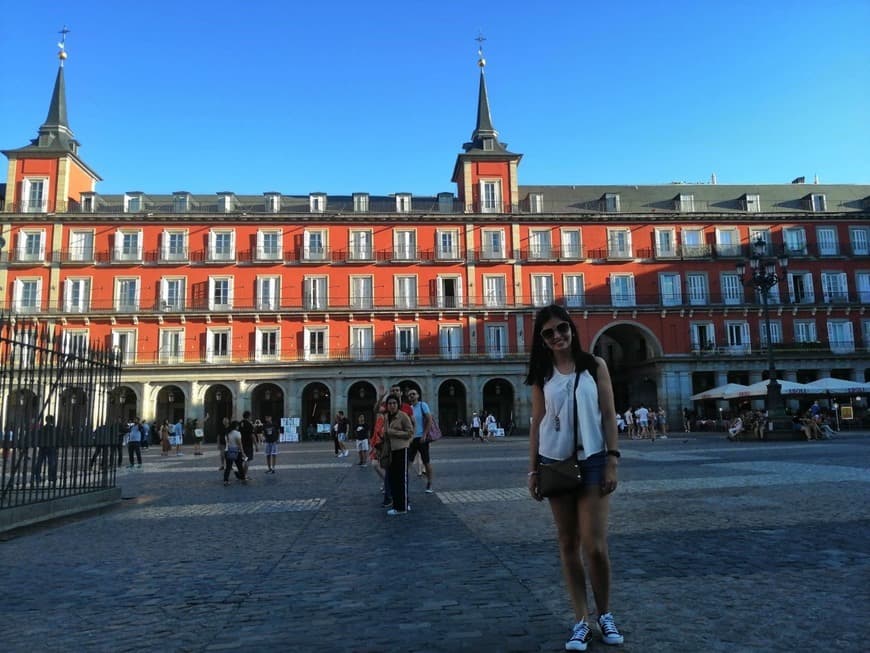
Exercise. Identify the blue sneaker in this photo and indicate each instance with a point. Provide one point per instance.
(609, 632)
(580, 637)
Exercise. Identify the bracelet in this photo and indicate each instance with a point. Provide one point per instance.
(613, 452)
(532, 474)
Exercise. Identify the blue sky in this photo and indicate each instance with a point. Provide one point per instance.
(378, 97)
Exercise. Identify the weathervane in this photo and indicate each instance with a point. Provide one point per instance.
(62, 45)
(480, 39)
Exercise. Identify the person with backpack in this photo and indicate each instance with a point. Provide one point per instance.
(420, 443)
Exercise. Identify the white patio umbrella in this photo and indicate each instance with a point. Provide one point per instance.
(838, 387)
(718, 393)
(760, 389)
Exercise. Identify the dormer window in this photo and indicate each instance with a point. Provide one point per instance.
(816, 202)
(684, 203)
(226, 202)
(360, 202)
(488, 144)
(536, 202)
(273, 202)
(610, 202)
(88, 202)
(133, 202)
(751, 202)
(317, 202)
(445, 202)
(180, 202)
(403, 202)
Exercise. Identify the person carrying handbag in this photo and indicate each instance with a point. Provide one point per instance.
(573, 426)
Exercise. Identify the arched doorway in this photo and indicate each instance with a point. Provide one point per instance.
(171, 404)
(22, 412)
(218, 404)
(498, 399)
(316, 411)
(73, 414)
(630, 351)
(123, 405)
(361, 398)
(451, 406)
(267, 399)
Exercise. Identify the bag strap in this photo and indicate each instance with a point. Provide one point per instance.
(576, 383)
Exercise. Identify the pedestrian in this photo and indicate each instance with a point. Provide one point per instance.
(270, 437)
(399, 430)
(339, 434)
(46, 437)
(662, 421)
(234, 454)
(198, 433)
(475, 427)
(223, 429)
(103, 442)
(376, 446)
(134, 440)
(490, 426)
(641, 418)
(560, 374)
(178, 436)
(246, 428)
(145, 430)
(121, 430)
(420, 443)
(630, 426)
(361, 434)
(165, 438)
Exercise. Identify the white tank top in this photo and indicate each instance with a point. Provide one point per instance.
(557, 444)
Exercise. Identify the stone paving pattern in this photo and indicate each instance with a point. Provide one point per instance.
(716, 546)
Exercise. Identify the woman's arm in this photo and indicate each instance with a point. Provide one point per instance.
(538, 412)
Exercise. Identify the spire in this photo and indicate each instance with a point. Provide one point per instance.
(484, 137)
(56, 118)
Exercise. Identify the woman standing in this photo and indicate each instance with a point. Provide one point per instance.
(165, 442)
(399, 429)
(560, 372)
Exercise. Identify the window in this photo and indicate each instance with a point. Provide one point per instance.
(496, 340)
(665, 243)
(316, 343)
(622, 290)
(447, 243)
(542, 289)
(494, 292)
(449, 291)
(450, 341)
(88, 202)
(493, 244)
(693, 244)
(124, 342)
(610, 202)
(827, 239)
(805, 331)
(268, 293)
(669, 289)
(445, 202)
(752, 203)
(862, 285)
(315, 245)
(840, 336)
(574, 290)
(834, 287)
(133, 202)
(800, 287)
(220, 293)
(171, 346)
(772, 295)
(405, 245)
(697, 288)
(732, 288)
(267, 344)
(172, 293)
(217, 345)
(77, 295)
(540, 244)
(33, 192)
(128, 245)
(222, 245)
(361, 245)
(571, 244)
(127, 294)
(795, 241)
(728, 242)
(490, 196)
(703, 336)
(317, 202)
(865, 325)
(226, 202)
(28, 295)
(31, 245)
(536, 202)
(775, 332)
(174, 246)
(360, 202)
(618, 243)
(75, 342)
(268, 245)
(763, 233)
(816, 202)
(362, 347)
(407, 343)
(737, 337)
(180, 202)
(685, 203)
(406, 292)
(403, 203)
(315, 295)
(361, 292)
(860, 239)
(81, 246)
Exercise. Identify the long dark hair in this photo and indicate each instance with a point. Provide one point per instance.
(541, 358)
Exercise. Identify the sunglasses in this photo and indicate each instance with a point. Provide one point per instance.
(563, 328)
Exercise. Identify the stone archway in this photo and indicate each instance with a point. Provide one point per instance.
(171, 404)
(452, 406)
(218, 405)
(123, 404)
(361, 398)
(630, 351)
(498, 399)
(267, 399)
(316, 411)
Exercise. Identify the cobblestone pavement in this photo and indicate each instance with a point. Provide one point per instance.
(716, 546)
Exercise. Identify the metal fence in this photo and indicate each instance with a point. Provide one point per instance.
(60, 437)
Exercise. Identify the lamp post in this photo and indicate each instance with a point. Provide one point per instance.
(763, 276)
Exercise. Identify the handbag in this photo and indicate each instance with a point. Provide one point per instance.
(434, 430)
(562, 476)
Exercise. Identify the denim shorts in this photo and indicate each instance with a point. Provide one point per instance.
(592, 468)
